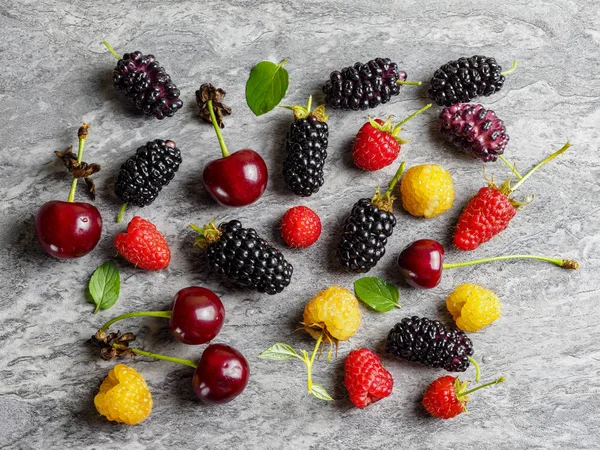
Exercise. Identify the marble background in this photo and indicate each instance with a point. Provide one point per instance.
(56, 74)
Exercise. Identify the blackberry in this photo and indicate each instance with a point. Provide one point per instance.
(246, 259)
(144, 174)
(146, 84)
(367, 229)
(466, 78)
(364, 86)
(431, 343)
(306, 150)
(474, 129)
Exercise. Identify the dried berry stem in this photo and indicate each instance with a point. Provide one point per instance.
(82, 134)
(566, 263)
(215, 125)
(511, 70)
(165, 314)
(540, 164)
(477, 369)
(512, 167)
(110, 49)
(470, 391)
(185, 362)
(121, 212)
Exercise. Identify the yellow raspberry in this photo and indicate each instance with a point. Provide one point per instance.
(427, 190)
(124, 396)
(334, 310)
(473, 307)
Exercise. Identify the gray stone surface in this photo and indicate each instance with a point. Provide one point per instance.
(56, 74)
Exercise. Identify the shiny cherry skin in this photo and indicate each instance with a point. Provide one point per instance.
(236, 180)
(421, 263)
(222, 374)
(68, 229)
(197, 315)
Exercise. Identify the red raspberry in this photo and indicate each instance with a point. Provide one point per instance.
(488, 213)
(300, 227)
(365, 378)
(143, 245)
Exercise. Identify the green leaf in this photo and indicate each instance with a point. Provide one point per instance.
(320, 392)
(279, 352)
(105, 286)
(266, 86)
(377, 293)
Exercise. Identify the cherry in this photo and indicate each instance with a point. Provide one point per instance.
(236, 179)
(422, 262)
(197, 315)
(222, 374)
(69, 229)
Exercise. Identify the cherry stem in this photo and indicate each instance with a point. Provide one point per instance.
(165, 314)
(309, 363)
(512, 167)
(217, 128)
(397, 176)
(511, 70)
(540, 164)
(121, 212)
(416, 113)
(409, 83)
(71, 197)
(566, 263)
(185, 362)
(477, 369)
(491, 383)
(110, 49)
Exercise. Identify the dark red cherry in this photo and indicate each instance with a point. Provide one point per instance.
(236, 180)
(421, 263)
(68, 229)
(197, 315)
(222, 374)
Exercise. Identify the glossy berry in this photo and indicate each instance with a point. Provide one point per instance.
(222, 374)
(487, 213)
(431, 343)
(68, 229)
(197, 315)
(465, 79)
(421, 263)
(300, 227)
(124, 396)
(374, 149)
(144, 174)
(365, 378)
(440, 399)
(147, 85)
(473, 307)
(236, 180)
(333, 310)
(427, 190)
(363, 86)
(243, 257)
(143, 245)
(475, 130)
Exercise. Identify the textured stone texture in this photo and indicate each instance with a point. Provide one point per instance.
(56, 74)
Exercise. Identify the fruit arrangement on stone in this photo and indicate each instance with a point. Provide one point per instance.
(333, 315)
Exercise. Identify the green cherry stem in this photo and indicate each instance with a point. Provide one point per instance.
(511, 70)
(470, 391)
(165, 314)
(82, 134)
(110, 49)
(512, 167)
(185, 362)
(121, 212)
(566, 263)
(477, 369)
(540, 164)
(215, 125)
(309, 363)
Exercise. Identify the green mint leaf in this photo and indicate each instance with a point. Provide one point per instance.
(279, 352)
(377, 293)
(105, 286)
(266, 86)
(320, 392)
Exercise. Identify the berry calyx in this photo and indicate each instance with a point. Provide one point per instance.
(422, 262)
(447, 396)
(378, 143)
(300, 227)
